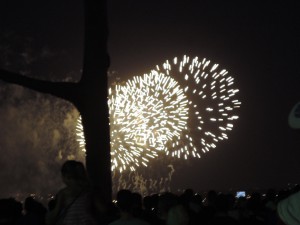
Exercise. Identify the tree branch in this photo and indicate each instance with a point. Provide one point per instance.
(63, 90)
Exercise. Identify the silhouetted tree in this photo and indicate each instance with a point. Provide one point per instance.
(89, 95)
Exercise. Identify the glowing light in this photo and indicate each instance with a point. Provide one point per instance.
(161, 112)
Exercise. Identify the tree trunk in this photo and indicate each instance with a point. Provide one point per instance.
(89, 96)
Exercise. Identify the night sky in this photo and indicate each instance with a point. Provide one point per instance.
(255, 41)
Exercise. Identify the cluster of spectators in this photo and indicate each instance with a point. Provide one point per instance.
(77, 204)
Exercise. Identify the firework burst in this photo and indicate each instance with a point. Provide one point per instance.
(145, 114)
(212, 105)
(180, 109)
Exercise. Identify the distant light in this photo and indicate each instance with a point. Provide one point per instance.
(166, 112)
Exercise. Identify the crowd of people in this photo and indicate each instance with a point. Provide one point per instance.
(78, 204)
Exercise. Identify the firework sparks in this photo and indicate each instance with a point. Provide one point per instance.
(145, 114)
(212, 105)
(177, 109)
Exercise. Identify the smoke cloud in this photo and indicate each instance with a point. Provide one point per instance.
(37, 134)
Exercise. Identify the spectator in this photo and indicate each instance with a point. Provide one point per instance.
(34, 213)
(125, 203)
(288, 209)
(72, 203)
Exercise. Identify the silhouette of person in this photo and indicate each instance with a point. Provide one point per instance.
(125, 203)
(73, 202)
(288, 209)
(34, 213)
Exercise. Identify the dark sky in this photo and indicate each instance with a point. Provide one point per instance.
(255, 41)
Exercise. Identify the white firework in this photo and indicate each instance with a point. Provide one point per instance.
(212, 104)
(145, 114)
(181, 108)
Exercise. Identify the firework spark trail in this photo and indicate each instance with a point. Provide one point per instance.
(212, 105)
(145, 114)
(180, 109)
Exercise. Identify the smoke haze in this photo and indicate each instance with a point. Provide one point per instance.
(37, 135)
